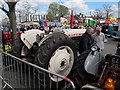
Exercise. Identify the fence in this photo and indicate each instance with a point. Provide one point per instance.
(18, 73)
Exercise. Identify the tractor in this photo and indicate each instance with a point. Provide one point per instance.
(109, 78)
(58, 53)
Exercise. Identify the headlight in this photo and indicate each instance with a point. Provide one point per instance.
(94, 48)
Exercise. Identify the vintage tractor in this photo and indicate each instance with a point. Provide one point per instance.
(109, 78)
(58, 53)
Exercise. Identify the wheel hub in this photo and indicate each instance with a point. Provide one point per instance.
(61, 62)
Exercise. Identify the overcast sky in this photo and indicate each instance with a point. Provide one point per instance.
(79, 6)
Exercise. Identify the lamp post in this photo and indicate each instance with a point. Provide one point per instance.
(71, 19)
(12, 17)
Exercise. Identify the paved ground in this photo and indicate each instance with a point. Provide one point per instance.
(111, 45)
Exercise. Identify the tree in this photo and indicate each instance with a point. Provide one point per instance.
(63, 11)
(56, 10)
(108, 10)
(52, 11)
(12, 17)
(50, 16)
(19, 15)
(25, 11)
(98, 14)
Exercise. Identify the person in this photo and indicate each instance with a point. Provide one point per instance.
(75, 26)
(99, 38)
(22, 28)
(86, 40)
(118, 49)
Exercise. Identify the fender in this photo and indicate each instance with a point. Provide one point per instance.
(74, 32)
(29, 37)
(92, 62)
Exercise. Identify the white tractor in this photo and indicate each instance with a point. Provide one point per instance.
(57, 52)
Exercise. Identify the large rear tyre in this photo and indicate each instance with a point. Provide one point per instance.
(56, 54)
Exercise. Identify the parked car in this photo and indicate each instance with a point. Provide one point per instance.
(107, 29)
(116, 32)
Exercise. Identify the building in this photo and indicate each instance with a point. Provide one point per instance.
(30, 17)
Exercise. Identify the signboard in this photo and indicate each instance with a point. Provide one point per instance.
(54, 23)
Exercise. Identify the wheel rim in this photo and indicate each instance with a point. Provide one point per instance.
(61, 62)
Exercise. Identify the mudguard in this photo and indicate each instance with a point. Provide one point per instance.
(29, 37)
(93, 62)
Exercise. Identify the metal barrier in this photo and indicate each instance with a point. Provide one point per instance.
(18, 73)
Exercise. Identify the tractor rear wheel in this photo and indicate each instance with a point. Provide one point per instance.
(56, 54)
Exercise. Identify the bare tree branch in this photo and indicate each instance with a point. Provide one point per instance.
(97, 13)
(108, 10)
(35, 11)
(2, 7)
(4, 10)
(25, 11)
